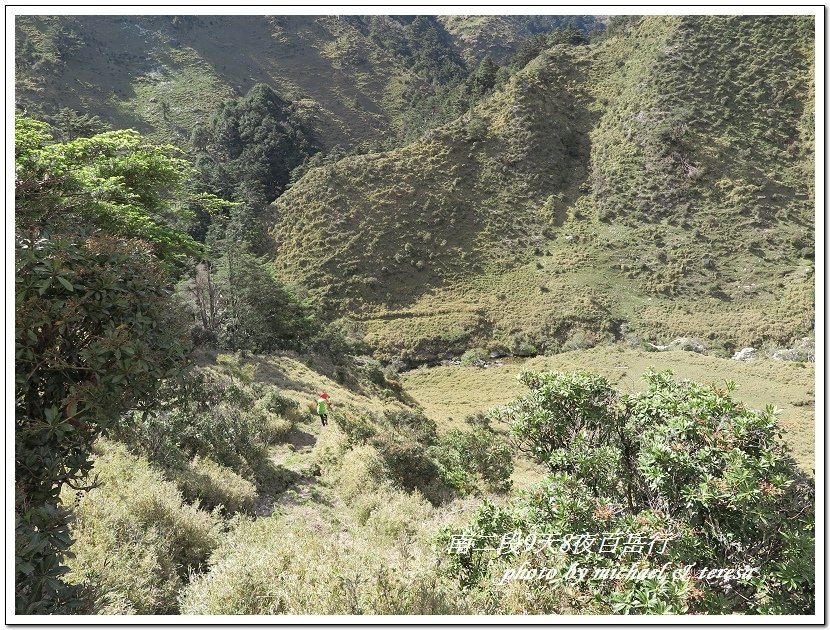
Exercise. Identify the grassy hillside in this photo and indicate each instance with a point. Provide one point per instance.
(600, 192)
(162, 75)
(499, 36)
(255, 508)
(355, 79)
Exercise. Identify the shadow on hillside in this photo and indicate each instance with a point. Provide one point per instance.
(236, 66)
(271, 480)
(265, 371)
(99, 71)
(268, 373)
(581, 118)
(301, 439)
(720, 295)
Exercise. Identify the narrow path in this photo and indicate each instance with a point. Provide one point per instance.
(305, 488)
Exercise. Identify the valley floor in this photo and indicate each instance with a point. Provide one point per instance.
(449, 393)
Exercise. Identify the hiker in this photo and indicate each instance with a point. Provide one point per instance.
(323, 408)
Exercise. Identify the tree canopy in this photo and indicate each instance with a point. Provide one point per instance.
(112, 181)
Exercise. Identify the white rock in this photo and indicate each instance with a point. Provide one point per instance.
(746, 354)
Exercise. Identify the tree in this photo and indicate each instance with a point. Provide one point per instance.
(112, 182)
(69, 124)
(258, 140)
(570, 35)
(259, 313)
(97, 330)
(247, 154)
(434, 55)
(528, 50)
(483, 80)
(207, 297)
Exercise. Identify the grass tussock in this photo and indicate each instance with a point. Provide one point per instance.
(271, 567)
(215, 485)
(136, 542)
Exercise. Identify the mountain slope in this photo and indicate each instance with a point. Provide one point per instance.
(658, 182)
(501, 35)
(354, 78)
(165, 74)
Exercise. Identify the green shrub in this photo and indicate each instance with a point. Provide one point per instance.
(214, 418)
(473, 356)
(239, 372)
(275, 402)
(479, 419)
(525, 348)
(278, 429)
(472, 461)
(265, 314)
(682, 463)
(214, 485)
(579, 340)
(358, 427)
(409, 464)
(329, 451)
(225, 433)
(136, 543)
(359, 470)
(401, 439)
(340, 339)
(373, 372)
(421, 428)
(91, 315)
(394, 515)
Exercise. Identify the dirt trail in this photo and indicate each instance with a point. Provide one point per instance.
(305, 488)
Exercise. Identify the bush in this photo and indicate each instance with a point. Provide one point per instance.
(472, 461)
(274, 402)
(239, 372)
(358, 427)
(559, 407)
(524, 348)
(278, 429)
(359, 470)
(401, 439)
(421, 428)
(214, 485)
(681, 463)
(579, 340)
(264, 314)
(224, 421)
(409, 464)
(394, 515)
(136, 543)
(226, 434)
(480, 419)
(373, 372)
(473, 356)
(91, 316)
(339, 339)
(329, 450)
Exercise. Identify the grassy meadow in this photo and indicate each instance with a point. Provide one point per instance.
(450, 393)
